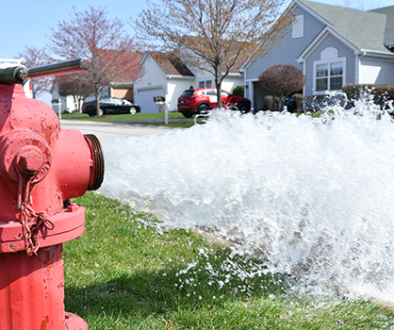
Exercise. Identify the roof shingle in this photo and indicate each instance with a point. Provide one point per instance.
(365, 30)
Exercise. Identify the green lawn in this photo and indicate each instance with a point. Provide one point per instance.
(138, 116)
(121, 274)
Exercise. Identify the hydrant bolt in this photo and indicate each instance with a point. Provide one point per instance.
(30, 161)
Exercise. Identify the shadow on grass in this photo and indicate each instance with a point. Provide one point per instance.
(163, 292)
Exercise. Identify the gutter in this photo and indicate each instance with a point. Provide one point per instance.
(375, 53)
(180, 77)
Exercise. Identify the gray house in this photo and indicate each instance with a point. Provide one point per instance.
(333, 46)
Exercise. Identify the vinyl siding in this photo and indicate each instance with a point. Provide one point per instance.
(343, 51)
(153, 75)
(376, 71)
(288, 48)
(175, 89)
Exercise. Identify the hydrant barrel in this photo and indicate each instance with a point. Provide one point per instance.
(41, 167)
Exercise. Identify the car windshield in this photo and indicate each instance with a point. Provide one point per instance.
(188, 93)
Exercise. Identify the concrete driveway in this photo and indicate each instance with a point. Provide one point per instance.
(109, 130)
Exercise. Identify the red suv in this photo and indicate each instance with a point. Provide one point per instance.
(196, 101)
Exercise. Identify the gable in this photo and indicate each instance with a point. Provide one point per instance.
(363, 29)
(290, 47)
(153, 74)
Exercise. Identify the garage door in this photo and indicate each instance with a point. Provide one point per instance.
(123, 93)
(145, 100)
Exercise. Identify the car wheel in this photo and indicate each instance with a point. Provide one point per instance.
(203, 108)
(133, 111)
(243, 107)
(91, 114)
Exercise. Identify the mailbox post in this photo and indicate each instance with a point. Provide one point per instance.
(160, 102)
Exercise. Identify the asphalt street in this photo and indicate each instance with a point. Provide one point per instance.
(111, 130)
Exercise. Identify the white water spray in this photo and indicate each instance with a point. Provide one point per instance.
(315, 196)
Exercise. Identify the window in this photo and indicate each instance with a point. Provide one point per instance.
(298, 27)
(117, 101)
(336, 75)
(329, 72)
(205, 84)
(321, 77)
(211, 92)
(329, 76)
(188, 92)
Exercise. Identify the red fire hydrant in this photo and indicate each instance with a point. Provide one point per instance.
(42, 166)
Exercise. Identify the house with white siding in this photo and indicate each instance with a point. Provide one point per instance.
(166, 75)
(333, 46)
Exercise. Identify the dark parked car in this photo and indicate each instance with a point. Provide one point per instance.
(291, 104)
(388, 103)
(196, 101)
(111, 105)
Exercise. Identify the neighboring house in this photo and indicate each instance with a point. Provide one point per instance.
(122, 88)
(166, 75)
(333, 46)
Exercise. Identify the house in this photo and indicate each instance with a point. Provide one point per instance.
(166, 75)
(333, 46)
(120, 84)
(72, 103)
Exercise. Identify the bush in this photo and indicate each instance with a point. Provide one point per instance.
(239, 91)
(362, 91)
(280, 81)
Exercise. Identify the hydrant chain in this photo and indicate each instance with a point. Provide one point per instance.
(27, 213)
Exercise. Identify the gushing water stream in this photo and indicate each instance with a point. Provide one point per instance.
(315, 196)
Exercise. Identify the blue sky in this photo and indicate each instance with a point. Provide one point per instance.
(31, 21)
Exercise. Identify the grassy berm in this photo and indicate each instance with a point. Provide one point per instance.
(121, 274)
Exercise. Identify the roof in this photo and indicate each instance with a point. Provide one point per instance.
(131, 58)
(232, 52)
(171, 64)
(389, 35)
(366, 30)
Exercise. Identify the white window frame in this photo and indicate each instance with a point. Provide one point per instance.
(204, 83)
(298, 27)
(328, 62)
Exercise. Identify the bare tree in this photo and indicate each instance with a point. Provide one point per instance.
(74, 85)
(104, 41)
(280, 81)
(32, 57)
(213, 35)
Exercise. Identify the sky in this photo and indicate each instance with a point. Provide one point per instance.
(30, 22)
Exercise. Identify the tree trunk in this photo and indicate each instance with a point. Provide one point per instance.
(218, 83)
(32, 89)
(97, 95)
(80, 102)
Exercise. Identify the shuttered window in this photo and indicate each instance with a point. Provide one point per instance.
(298, 27)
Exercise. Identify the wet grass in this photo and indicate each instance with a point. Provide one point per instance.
(121, 274)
